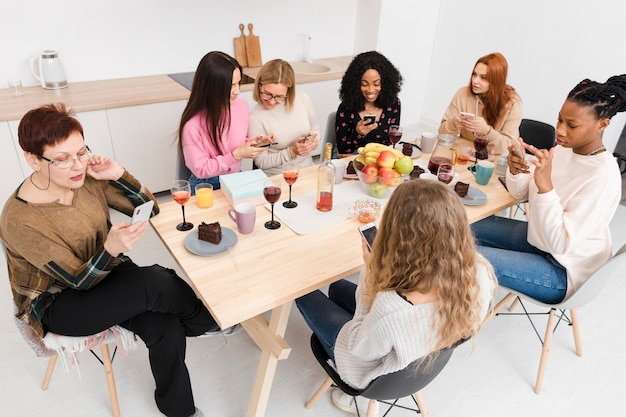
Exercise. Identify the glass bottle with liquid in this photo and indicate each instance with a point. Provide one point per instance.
(326, 180)
(443, 153)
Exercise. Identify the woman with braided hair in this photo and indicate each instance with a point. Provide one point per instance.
(573, 191)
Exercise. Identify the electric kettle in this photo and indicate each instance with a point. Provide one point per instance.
(48, 70)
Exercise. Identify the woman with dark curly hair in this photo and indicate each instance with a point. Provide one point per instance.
(370, 87)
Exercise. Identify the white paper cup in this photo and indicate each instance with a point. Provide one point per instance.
(340, 169)
(428, 142)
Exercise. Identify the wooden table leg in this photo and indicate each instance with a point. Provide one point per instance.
(270, 340)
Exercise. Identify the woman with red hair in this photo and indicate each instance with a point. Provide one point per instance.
(495, 106)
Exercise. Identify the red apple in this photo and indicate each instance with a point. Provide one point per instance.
(372, 174)
(397, 178)
(386, 159)
(386, 176)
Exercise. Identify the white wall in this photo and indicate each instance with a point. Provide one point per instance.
(550, 45)
(125, 38)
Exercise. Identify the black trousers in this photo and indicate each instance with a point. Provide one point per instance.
(154, 303)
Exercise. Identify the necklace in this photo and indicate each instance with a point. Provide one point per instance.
(36, 186)
(596, 151)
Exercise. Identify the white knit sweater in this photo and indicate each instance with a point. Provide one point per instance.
(391, 334)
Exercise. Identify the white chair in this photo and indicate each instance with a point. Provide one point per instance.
(53, 346)
(587, 292)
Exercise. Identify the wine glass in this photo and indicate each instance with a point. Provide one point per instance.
(181, 192)
(445, 173)
(395, 134)
(271, 193)
(290, 174)
(480, 144)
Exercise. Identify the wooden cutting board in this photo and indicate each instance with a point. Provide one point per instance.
(240, 47)
(253, 49)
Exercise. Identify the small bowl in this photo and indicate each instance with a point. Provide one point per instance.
(377, 186)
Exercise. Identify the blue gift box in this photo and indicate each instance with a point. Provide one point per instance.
(245, 186)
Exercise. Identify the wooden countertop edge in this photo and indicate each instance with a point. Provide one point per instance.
(124, 92)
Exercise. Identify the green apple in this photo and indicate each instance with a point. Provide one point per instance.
(404, 165)
(377, 189)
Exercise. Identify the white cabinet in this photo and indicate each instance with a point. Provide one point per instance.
(12, 174)
(145, 141)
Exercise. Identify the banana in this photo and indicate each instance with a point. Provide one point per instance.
(375, 146)
(397, 153)
(370, 161)
(361, 150)
(372, 154)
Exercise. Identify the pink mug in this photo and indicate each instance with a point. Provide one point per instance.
(244, 214)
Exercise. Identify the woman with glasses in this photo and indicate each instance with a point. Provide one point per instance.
(370, 87)
(67, 268)
(214, 126)
(288, 116)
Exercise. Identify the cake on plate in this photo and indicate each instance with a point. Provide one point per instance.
(461, 188)
(211, 232)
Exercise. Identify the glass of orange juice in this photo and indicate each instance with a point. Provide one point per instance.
(204, 195)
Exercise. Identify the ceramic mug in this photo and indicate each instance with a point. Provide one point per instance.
(340, 169)
(482, 171)
(365, 210)
(244, 214)
(428, 142)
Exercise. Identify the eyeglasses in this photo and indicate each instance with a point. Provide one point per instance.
(267, 97)
(83, 155)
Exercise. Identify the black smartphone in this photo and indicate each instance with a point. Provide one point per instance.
(369, 119)
(503, 182)
(368, 231)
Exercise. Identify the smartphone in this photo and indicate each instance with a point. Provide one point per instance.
(503, 182)
(368, 231)
(142, 213)
(369, 119)
(308, 137)
(465, 115)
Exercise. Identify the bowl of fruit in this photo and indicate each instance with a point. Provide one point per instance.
(381, 168)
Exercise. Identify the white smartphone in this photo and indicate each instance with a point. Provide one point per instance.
(465, 115)
(368, 231)
(369, 119)
(142, 212)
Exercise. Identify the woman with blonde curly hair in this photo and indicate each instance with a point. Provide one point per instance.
(424, 287)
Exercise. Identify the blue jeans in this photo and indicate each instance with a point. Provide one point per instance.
(327, 315)
(193, 181)
(518, 264)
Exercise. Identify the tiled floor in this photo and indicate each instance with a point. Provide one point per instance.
(492, 378)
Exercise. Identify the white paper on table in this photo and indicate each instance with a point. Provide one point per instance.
(306, 218)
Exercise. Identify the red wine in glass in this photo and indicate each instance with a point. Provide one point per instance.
(395, 134)
(445, 173)
(480, 144)
(272, 194)
(290, 174)
(436, 161)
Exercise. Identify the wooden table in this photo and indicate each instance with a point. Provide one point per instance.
(268, 269)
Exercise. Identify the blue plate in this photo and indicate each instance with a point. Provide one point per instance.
(474, 197)
(202, 248)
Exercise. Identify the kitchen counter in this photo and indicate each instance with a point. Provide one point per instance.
(124, 92)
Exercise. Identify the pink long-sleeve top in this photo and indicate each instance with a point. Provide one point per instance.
(201, 157)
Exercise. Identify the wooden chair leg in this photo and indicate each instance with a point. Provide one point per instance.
(419, 399)
(498, 307)
(320, 391)
(108, 372)
(372, 405)
(514, 304)
(576, 329)
(547, 341)
(48, 375)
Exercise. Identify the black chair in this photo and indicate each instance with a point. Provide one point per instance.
(406, 382)
(542, 136)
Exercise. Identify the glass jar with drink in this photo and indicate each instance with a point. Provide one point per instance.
(442, 154)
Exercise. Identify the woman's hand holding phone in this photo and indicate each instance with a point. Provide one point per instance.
(516, 160)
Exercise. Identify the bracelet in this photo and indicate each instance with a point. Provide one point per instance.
(489, 131)
(291, 153)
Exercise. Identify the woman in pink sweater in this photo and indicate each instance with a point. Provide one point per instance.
(214, 126)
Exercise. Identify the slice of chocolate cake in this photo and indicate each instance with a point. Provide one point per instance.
(417, 171)
(407, 149)
(350, 170)
(461, 188)
(211, 232)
